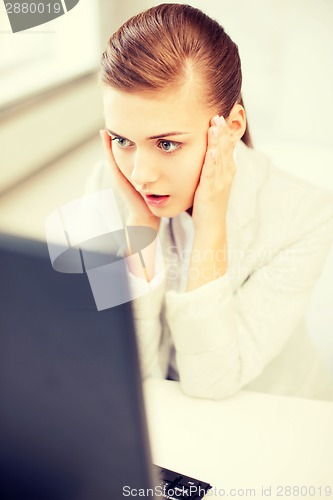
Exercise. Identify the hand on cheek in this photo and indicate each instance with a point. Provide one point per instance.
(212, 193)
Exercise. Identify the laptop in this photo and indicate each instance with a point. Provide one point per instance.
(72, 416)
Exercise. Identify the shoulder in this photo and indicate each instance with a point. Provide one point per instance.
(282, 198)
(261, 167)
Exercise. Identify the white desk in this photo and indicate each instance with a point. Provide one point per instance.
(248, 441)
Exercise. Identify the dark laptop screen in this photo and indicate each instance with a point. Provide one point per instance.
(72, 422)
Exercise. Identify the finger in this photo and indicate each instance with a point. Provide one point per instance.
(219, 158)
(225, 151)
(213, 134)
(225, 143)
(214, 120)
(117, 175)
(219, 134)
(209, 165)
(107, 145)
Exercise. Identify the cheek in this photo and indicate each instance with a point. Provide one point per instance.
(123, 161)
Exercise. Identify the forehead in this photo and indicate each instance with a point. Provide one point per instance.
(131, 114)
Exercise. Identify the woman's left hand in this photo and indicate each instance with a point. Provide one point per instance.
(212, 193)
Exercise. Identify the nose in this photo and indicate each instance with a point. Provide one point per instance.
(144, 169)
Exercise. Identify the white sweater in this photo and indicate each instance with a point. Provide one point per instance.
(245, 329)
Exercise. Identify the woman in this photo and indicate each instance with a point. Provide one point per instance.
(243, 242)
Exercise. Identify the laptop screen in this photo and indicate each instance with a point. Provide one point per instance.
(72, 422)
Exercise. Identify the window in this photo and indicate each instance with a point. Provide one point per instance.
(49, 54)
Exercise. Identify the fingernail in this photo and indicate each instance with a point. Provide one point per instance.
(216, 120)
(101, 133)
(222, 120)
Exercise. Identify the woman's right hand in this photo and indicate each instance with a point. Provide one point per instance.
(139, 213)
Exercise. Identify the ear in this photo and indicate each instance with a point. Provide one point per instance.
(236, 122)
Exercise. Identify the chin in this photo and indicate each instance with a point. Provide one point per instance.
(165, 212)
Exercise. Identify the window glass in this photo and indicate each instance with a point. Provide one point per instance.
(46, 55)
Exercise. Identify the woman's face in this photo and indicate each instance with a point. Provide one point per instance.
(159, 144)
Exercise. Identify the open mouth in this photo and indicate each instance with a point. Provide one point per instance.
(156, 199)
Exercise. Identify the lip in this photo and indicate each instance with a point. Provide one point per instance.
(156, 202)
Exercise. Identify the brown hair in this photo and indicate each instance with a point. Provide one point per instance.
(159, 49)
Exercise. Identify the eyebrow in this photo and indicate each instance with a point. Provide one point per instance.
(159, 136)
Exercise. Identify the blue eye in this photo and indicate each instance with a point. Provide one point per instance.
(166, 146)
(169, 146)
(122, 142)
